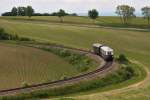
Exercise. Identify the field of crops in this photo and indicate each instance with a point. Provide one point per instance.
(19, 65)
(133, 43)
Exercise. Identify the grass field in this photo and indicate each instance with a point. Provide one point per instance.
(113, 80)
(134, 44)
(123, 41)
(138, 22)
(21, 64)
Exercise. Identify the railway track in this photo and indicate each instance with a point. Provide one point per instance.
(49, 85)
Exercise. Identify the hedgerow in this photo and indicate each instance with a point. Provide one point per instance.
(6, 36)
(80, 61)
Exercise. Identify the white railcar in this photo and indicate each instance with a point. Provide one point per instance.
(96, 48)
(104, 51)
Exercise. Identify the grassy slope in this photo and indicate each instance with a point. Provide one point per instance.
(140, 75)
(116, 22)
(136, 91)
(123, 41)
(78, 20)
(24, 64)
(111, 81)
(138, 22)
(135, 44)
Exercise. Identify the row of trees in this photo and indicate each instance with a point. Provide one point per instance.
(53, 14)
(20, 11)
(146, 13)
(29, 11)
(125, 12)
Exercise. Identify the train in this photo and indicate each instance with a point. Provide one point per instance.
(104, 51)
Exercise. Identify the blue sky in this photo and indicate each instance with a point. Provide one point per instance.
(105, 7)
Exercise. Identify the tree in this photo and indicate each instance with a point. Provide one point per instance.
(125, 12)
(54, 14)
(7, 14)
(93, 14)
(61, 14)
(73, 14)
(21, 11)
(146, 13)
(14, 11)
(29, 11)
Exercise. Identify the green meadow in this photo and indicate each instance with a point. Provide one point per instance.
(133, 43)
(109, 21)
(27, 65)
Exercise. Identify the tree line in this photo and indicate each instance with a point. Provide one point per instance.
(20, 11)
(125, 12)
(29, 11)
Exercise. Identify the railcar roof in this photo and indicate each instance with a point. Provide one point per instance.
(107, 49)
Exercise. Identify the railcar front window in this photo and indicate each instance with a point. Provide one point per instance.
(109, 53)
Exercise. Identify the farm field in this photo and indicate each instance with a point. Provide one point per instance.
(112, 21)
(82, 37)
(21, 65)
(134, 44)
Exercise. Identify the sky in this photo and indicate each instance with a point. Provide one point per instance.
(105, 7)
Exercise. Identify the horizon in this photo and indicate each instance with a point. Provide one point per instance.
(105, 7)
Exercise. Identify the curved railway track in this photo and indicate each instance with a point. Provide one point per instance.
(48, 85)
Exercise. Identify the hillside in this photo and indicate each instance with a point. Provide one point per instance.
(109, 21)
(133, 43)
(27, 65)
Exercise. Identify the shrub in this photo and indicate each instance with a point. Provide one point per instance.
(63, 77)
(4, 35)
(122, 59)
(25, 84)
(64, 53)
(24, 39)
(82, 68)
(14, 37)
(7, 36)
(80, 61)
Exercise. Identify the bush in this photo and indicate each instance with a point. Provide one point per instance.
(25, 84)
(63, 77)
(82, 68)
(64, 53)
(122, 59)
(6, 36)
(81, 62)
(24, 39)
